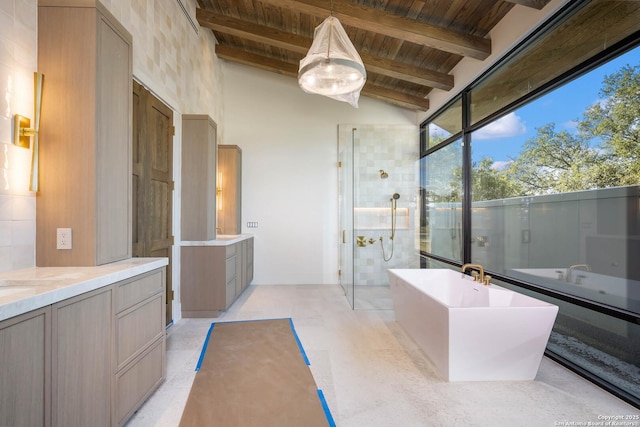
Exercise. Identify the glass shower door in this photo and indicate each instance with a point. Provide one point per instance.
(345, 209)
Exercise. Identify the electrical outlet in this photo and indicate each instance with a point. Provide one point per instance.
(64, 238)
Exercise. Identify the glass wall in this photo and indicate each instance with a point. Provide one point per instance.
(441, 190)
(549, 198)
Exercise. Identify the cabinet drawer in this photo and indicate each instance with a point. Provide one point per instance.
(131, 292)
(137, 327)
(230, 268)
(138, 380)
(231, 292)
(231, 250)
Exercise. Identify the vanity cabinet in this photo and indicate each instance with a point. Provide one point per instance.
(212, 277)
(85, 134)
(139, 341)
(81, 353)
(230, 185)
(25, 388)
(90, 360)
(198, 177)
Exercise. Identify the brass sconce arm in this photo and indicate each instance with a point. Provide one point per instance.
(22, 133)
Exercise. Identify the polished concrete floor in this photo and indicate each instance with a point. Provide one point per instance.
(372, 374)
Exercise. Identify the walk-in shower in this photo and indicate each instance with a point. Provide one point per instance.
(378, 180)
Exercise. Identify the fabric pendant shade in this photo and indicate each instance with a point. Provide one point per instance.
(332, 66)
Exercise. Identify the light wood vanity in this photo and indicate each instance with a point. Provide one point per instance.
(84, 348)
(213, 274)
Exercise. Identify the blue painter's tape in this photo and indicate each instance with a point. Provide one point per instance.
(204, 347)
(295, 335)
(327, 412)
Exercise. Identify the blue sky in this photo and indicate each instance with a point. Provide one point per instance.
(563, 107)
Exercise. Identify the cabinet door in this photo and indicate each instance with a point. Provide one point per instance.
(198, 177)
(113, 145)
(82, 360)
(86, 58)
(24, 366)
(240, 263)
(248, 265)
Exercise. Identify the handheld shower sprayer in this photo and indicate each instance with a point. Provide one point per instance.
(393, 201)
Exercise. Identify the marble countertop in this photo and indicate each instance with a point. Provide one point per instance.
(220, 240)
(29, 289)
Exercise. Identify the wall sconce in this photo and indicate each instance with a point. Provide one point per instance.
(219, 192)
(22, 133)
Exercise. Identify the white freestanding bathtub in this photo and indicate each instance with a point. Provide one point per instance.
(469, 331)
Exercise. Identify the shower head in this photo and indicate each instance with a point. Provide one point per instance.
(383, 174)
(396, 196)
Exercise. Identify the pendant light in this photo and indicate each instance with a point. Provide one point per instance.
(332, 66)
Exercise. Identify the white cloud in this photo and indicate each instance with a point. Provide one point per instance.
(509, 125)
(501, 165)
(571, 126)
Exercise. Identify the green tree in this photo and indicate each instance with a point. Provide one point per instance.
(554, 162)
(615, 123)
(490, 183)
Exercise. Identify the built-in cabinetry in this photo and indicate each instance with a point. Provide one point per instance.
(229, 185)
(139, 340)
(85, 134)
(81, 354)
(90, 360)
(212, 276)
(25, 388)
(198, 177)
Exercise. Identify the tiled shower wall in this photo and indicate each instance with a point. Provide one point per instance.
(393, 149)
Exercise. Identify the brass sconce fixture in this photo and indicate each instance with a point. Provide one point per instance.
(219, 192)
(22, 133)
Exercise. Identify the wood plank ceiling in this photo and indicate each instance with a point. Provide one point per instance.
(408, 47)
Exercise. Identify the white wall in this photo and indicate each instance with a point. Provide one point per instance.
(289, 177)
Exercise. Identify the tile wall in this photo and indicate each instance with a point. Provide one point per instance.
(18, 47)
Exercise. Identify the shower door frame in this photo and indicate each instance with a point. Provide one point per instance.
(345, 216)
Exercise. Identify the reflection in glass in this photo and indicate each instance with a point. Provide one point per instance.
(594, 341)
(555, 194)
(594, 28)
(442, 127)
(556, 203)
(441, 214)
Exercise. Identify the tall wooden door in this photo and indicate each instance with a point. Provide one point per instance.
(152, 180)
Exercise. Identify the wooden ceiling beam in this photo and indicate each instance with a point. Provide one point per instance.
(377, 21)
(301, 44)
(291, 70)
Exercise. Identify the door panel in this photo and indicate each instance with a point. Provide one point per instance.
(153, 181)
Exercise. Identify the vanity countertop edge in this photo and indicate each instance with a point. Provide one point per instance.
(55, 284)
(220, 240)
